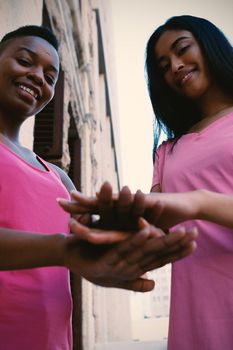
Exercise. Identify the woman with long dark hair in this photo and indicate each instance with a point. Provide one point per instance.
(189, 65)
(175, 114)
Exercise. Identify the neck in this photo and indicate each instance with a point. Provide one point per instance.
(214, 103)
(9, 128)
(9, 139)
(212, 107)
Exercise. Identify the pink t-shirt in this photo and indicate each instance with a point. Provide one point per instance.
(35, 304)
(201, 312)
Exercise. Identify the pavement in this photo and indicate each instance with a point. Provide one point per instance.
(134, 345)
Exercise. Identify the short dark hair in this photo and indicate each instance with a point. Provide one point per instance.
(33, 30)
(173, 113)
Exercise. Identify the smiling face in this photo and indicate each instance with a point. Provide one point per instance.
(182, 64)
(29, 68)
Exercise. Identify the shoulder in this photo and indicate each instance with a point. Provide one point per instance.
(163, 148)
(67, 182)
(159, 161)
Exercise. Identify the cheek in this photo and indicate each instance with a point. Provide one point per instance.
(195, 56)
(168, 78)
(17, 69)
(48, 94)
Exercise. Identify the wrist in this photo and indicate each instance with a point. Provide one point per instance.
(58, 249)
(200, 200)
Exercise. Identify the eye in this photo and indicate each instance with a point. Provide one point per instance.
(50, 79)
(182, 50)
(24, 62)
(164, 68)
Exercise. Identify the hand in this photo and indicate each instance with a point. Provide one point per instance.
(121, 211)
(169, 209)
(162, 209)
(95, 255)
(117, 211)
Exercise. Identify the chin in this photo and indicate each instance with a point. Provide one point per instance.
(194, 93)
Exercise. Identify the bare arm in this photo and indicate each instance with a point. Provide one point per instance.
(173, 208)
(21, 250)
(161, 209)
(96, 255)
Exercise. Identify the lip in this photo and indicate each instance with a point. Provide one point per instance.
(184, 77)
(30, 89)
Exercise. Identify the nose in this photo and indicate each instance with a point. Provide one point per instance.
(37, 76)
(177, 64)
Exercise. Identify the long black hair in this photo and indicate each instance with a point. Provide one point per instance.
(175, 114)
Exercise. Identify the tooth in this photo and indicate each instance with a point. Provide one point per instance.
(28, 90)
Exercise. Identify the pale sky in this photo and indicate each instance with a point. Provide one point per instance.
(133, 22)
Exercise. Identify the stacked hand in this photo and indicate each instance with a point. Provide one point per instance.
(107, 260)
(115, 211)
(122, 211)
(120, 247)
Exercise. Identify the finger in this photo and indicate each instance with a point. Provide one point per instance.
(85, 219)
(125, 257)
(74, 207)
(123, 210)
(105, 206)
(132, 248)
(116, 254)
(168, 243)
(142, 223)
(95, 236)
(78, 229)
(156, 246)
(158, 262)
(105, 197)
(125, 200)
(138, 206)
(172, 240)
(115, 196)
(138, 285)
(190, 235)
(155, 231)
(168, 248)
(154, 213)
(83, 200)
(141, 248)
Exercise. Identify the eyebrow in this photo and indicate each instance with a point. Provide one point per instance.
(33, 53)
(173, 46)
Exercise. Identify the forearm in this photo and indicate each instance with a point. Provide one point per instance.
(198, 204)
(22, 250)
(216, 207)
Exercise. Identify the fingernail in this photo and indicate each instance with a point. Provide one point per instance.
(75, 192)
(142, 223)
(72, 221)
(61, 200)
(145, 231)
(194, 230)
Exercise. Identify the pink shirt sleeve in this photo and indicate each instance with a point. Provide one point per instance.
(158, 165)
